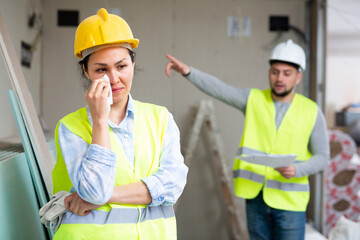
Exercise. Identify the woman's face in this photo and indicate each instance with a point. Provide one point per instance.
(116, 63)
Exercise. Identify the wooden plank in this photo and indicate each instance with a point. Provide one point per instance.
(37, 138)
(195, 132)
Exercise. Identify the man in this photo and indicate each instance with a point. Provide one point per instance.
(277, 121)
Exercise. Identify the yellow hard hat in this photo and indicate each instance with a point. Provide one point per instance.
(100, 29)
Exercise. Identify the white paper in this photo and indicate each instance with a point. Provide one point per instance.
(233, 26)
(271, 160)
(246, 26)
(110, 98)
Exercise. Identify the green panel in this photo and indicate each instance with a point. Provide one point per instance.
(19, 218)
(30, 156)
(32, 165)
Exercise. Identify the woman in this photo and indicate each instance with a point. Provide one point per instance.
(122, 163)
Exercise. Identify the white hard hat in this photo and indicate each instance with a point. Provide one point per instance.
(289, 52)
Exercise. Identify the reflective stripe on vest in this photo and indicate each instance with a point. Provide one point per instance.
(287, 186)
(248, 151)
(261, 136)
(241, 173)
(120, 215)
(118, 221)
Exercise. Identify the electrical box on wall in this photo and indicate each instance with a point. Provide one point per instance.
(68, 18)
(278, 23)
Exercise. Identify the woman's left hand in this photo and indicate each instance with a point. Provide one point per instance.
(75, 204)
(287, 172)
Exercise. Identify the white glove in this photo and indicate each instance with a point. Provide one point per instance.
(52, 212)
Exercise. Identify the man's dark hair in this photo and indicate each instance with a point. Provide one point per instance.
(288, 63)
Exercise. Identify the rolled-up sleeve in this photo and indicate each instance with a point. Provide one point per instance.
(91, 167)
(167, 184)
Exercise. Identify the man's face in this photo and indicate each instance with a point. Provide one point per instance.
(283, 78)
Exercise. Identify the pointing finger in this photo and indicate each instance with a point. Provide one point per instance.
(172, 59)
(168, 69)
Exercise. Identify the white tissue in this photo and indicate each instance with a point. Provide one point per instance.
(110, 98)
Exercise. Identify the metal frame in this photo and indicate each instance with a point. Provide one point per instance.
(315, 28)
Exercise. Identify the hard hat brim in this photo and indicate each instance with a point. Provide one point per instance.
(133, 43)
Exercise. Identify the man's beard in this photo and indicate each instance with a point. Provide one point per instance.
(283, 94)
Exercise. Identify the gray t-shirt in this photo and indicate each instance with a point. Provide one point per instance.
(237, 97)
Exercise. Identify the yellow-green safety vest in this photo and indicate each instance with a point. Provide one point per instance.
(120, 221)
(262, 137)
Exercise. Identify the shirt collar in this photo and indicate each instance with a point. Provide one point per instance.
(130, 106)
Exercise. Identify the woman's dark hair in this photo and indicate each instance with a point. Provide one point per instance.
(83, 64)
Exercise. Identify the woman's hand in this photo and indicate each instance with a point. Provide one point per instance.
(75, 204)
(176, 65)
(287, 172)
(96, 99)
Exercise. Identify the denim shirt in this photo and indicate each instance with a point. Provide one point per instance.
(86, 162)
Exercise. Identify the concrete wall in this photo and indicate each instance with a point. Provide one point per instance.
(195, 32)
(343, 56)
(15, 14)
